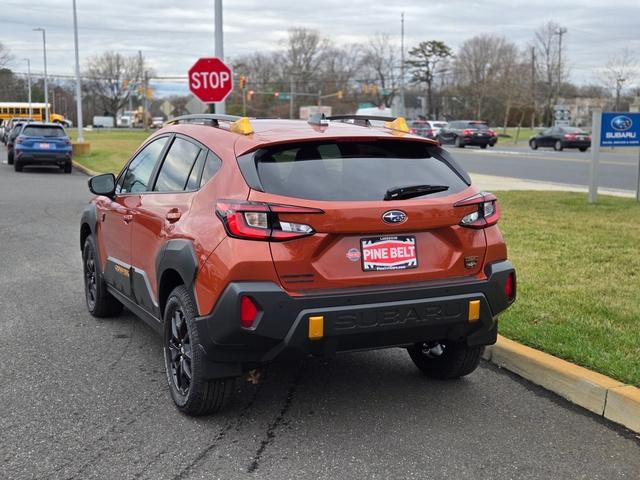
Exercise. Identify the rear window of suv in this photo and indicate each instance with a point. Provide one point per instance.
(354, 170)
(36, 131)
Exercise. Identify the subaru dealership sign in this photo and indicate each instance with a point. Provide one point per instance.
(620, 130)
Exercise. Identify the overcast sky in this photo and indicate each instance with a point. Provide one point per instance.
(173, 34)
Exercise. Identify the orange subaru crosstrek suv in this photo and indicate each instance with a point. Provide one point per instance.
(243, 241)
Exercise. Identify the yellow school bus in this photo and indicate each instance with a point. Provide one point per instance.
(9, 110)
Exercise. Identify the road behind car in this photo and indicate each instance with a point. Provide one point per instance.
(87, 399)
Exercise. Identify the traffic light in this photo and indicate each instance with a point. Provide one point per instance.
(365, 88)
(125, 84)
(340, 94)
(243, 82)
(250, 95)
(149, 92)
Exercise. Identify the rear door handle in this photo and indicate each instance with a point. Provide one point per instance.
(173, 215)
(127, 218)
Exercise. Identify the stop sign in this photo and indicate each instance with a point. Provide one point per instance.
(210, 80)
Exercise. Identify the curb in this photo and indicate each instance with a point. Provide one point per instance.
(593, 391)
(83, 169)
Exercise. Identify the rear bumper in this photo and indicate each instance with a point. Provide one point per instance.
(43, 158)
(477, 140)
(353, 320)
(576, 144)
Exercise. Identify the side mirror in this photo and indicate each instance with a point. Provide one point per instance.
(103, 185)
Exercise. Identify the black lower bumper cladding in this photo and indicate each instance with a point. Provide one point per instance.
(353, 319)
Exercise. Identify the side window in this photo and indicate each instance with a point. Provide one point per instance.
(137, 176)
(177, 166)
(194, 176)
(210, 168)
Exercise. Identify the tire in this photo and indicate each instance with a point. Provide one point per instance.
(67, 167)
(558, 146)
(17, 166)
(533, 144)
(456, 360)
(100, 302)
(184, 365)
(583, 149)
(10, 158)
(484, 146)
(458, 143)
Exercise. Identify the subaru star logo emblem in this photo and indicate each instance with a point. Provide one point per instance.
(621, 123)
(394, 216)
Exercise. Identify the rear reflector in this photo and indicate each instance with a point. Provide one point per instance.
(474, 310)
(509, 285)
(248, 312)
(316, 327)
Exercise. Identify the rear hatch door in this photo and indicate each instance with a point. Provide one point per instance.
(361, 239)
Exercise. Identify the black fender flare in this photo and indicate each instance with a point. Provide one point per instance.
(178, 255)
(90, 218)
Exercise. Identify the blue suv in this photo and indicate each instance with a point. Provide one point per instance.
(42, 144)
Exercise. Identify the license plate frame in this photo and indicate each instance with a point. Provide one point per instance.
(44, 146)
(388, 253)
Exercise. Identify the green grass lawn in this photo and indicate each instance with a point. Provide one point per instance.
(578, 278)
(109, 149)
(523, 137)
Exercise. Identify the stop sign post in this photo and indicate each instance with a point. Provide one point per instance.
(210, 80)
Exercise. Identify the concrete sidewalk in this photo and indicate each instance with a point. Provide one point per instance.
(493, 183)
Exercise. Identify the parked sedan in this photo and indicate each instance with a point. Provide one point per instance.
(427, 128)
(42, 144)
(468, 132)
(560, 138)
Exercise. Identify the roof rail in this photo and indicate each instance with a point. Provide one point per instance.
(392, 123)
(212, 118)
(240, 125)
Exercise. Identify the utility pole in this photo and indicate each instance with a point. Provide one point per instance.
(402, 104)
(291, 85)
(533, 86)
(560, 32)
(619, 82)
(78, 84)
(29, 85)
(46, 88)
(220, 107)
(145, 104)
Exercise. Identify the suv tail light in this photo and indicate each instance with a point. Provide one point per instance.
(261, 221)
(569, 136)
(487, 211)
(467, 132)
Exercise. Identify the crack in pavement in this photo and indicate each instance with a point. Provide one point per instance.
(271, 429)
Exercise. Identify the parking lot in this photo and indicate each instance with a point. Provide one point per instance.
(85, 398)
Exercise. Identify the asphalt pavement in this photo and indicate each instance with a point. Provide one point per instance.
(83, 398)
(618, 169)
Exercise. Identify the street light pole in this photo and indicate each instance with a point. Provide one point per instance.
(29, 84)
(78, 84)
(46, 88)
(402, 104)
(220, 107)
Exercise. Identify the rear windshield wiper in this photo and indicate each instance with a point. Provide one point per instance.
(400, 193)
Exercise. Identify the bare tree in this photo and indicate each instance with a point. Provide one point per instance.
(5, 56)
(620, 69)
(379, 61)
(426, 61)
(550, 69)
(113, 78)
(481, 64)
